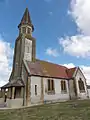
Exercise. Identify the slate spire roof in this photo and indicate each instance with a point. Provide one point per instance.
(26, 19)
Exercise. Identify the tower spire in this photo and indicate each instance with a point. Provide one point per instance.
(26, 20)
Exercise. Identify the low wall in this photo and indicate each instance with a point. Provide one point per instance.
(1, 100)
(15, 103)
(82, 96)
(56, 97)
(35, 99)
(89, 93)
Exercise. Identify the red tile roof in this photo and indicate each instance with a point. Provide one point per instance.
(47, 69)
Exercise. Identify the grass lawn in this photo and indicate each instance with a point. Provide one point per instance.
(72, 110)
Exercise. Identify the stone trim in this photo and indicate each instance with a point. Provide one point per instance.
(33, 51)
(42, 90)
(22, 90)
(13, 91)
(9, 92)
(49, 77)
(75, 87)
(28, 93)
(25, 63)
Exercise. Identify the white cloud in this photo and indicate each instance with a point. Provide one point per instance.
(79, 11)
(70, 65)
(79, 45)
(6, 53)
(85, 70)
(52, 52)
(76, 45)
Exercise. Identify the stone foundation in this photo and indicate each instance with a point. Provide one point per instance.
(14, 103)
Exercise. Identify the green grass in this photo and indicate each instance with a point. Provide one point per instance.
(56, 111)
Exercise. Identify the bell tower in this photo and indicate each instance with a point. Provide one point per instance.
(25, 45)
(25, 29)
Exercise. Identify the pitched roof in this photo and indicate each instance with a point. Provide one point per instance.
(71, 71)
(14, 83)
(47, 69)
(26, 19)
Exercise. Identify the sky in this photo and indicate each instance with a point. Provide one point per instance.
(62, 32)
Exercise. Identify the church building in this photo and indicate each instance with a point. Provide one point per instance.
(34, 81)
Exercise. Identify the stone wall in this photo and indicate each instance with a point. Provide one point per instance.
(24, 78)
(58, 96)
(14, 103)
(72, 89)
(89, 93)
(28, 50)
(35, 98)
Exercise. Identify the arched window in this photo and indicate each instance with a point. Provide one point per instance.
(63, 86)
(81, 85)
(50, 86)
(28, 30)
(23, 29)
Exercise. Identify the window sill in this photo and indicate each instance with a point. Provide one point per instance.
(82, 91)
(51, 92)
(63, 92)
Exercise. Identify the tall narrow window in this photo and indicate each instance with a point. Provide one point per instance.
(28, 30)
(81, 85)
(35, 89)
(51, 86)
(63, 86)
(24, 30)
(48, 85)
(20, 30)
(27, 49)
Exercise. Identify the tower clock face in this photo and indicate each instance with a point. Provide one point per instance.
(28, 50)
